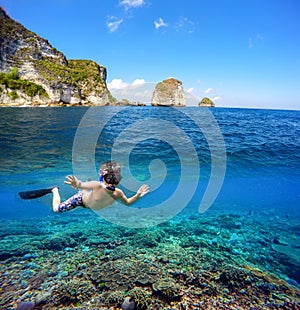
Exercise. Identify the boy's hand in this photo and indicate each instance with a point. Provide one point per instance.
(73, 181)
(143, 190)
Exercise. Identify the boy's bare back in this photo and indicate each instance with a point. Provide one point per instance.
(96, 195)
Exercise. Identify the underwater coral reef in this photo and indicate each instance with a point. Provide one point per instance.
(211, 261)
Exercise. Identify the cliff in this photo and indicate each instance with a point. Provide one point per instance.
(70, 82)
(206, 102)
(169, 93)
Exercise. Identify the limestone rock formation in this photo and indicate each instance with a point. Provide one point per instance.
(65, 81)
(206, 102)
(169, 93)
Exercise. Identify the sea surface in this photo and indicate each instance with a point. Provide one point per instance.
(233, 172)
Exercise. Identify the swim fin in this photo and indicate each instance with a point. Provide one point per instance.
(36, 193)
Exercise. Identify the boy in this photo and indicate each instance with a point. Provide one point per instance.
(96, 195)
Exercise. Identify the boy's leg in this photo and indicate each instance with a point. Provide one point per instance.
(56, 199)
(70, 204)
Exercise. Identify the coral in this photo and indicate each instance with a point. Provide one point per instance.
(143, 279)
(148, 239)
(72, 291)
(110, 277)
(114, 298)
(58, 242)
(166, 276)
(236, 277)
(142, 297)
(167, 288)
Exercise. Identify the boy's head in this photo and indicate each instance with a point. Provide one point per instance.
(111, 172)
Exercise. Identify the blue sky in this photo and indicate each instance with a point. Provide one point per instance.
(238, 53)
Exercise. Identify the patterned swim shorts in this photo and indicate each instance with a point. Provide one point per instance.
(71, 203)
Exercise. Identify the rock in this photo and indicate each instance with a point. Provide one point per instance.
(206, 102)
(128, 304)
(26, 305)
(66, 82)
(125, 102)
(169, 93)
(137, 104)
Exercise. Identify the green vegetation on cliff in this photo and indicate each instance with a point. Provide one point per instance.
(11, 29)
(167, 87)
(206, 102)
(12, 81)
(67, 81)
(79, 73)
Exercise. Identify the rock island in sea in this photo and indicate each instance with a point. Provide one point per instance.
(169, 93)
(206, 102)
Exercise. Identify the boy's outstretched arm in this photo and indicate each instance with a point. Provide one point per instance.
(77, 184)
(142, 191)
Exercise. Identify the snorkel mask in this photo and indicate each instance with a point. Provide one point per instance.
(109, 178)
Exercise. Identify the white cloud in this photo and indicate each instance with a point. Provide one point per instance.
(113, 23)
(216, 98)
(160, 23)
(190, 90)
(117, 84)
(208, 90)
(139, 90)
(120, 84)
(186, 25)
(132, 3)
(138, 82)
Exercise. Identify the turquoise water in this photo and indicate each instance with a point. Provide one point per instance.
(262, 153)
(252, 158)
